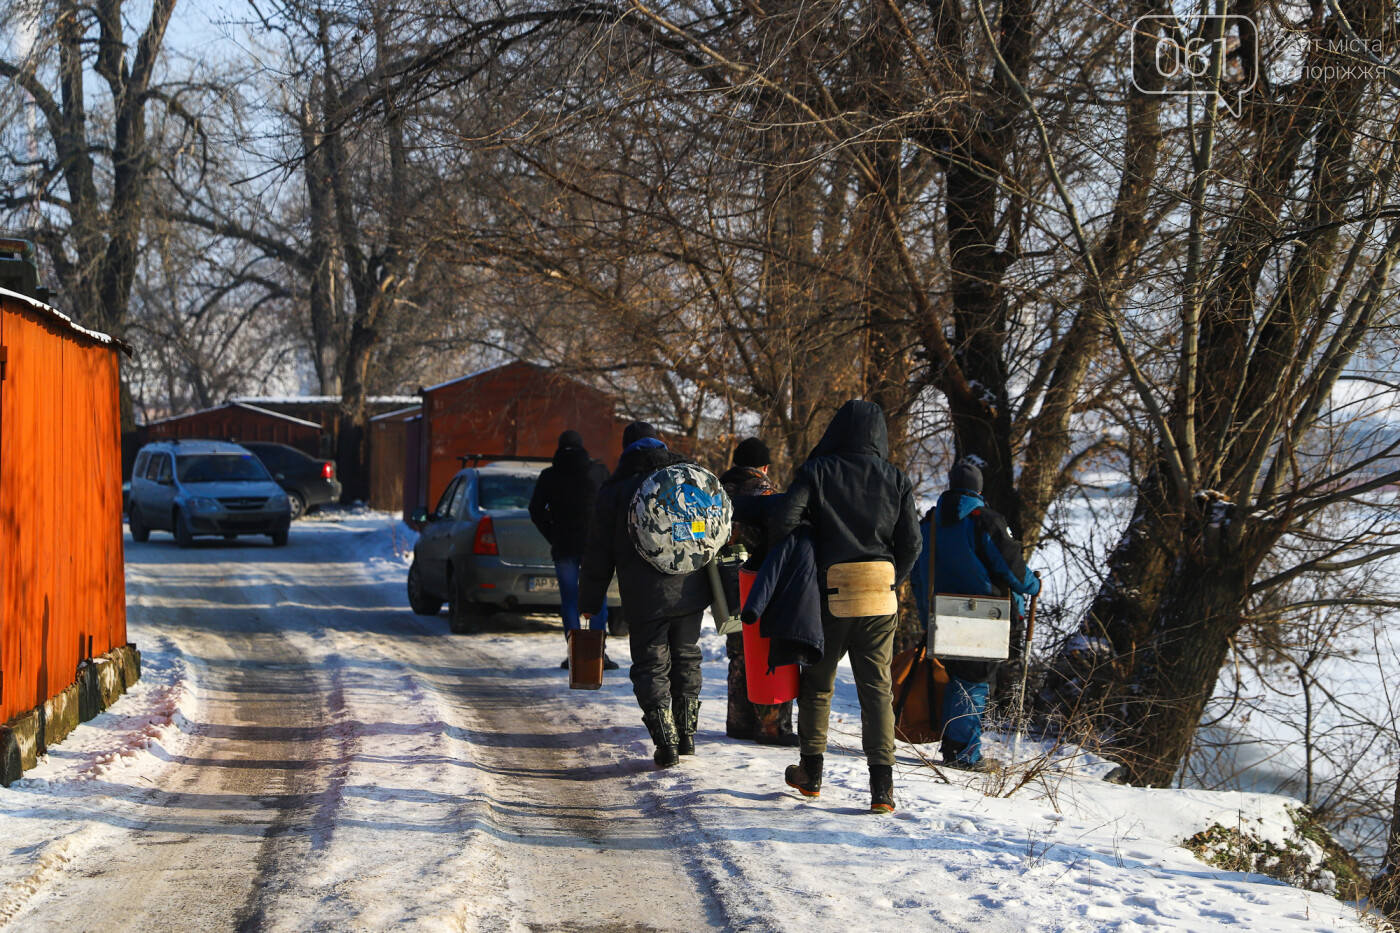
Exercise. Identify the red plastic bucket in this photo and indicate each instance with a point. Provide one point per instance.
(777, 687)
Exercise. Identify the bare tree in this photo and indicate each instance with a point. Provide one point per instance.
(796, 178)
(1282, 288)
(343, 241)
(83, 189)
(95, 173)
(208, 323)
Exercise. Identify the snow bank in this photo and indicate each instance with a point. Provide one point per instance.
(82, 792)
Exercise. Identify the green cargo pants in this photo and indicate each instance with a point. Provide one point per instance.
(870, 642)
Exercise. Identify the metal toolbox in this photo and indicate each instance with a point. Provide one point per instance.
(970, 627)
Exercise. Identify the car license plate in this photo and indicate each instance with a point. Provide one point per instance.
(542, 583)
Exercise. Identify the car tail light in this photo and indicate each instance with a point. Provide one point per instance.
(328, 470)
(485, 540)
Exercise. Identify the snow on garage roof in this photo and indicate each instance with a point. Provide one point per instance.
(67, 323)
(243, 405)
(323, 399)
(415, 408)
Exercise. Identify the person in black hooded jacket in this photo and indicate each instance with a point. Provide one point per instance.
(663, 609)
(865, 529)
(560, 507)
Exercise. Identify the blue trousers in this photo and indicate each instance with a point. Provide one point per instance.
(964, 702)
(566, 570)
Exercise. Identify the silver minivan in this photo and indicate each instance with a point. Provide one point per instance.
(191, 488)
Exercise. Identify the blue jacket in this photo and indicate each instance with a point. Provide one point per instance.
(788, 599)
(975, 553)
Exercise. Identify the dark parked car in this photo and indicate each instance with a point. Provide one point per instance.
(479, 551)
(309, 482)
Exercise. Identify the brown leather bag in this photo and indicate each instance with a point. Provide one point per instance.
(919, 682)
(586, 659)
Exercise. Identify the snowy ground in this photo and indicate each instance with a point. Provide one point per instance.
(1262, 721)
(304, 753)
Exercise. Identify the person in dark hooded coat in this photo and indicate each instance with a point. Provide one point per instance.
(663, 609)
(865, 530)
(561, 507)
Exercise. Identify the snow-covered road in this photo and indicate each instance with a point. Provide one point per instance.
(339, 763)
(304, 753)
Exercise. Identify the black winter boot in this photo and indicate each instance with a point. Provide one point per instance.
(806, 776)
(687, 713)
(881, 789)
(661, 723)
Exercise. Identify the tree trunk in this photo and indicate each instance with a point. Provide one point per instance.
(323, 304)
(1086, 680)
(1174, 672)
(981, 423)
(1385, 890)
(885, 375)
(353, 422)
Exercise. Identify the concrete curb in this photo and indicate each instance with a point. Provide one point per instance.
(19, 744)
(101, 682)
(60, 715)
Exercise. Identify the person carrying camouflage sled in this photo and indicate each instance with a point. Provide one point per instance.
(764, 723)
(663, 607)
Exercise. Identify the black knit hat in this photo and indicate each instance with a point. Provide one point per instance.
(635, 432)
(571, 439)
(752, 452)
(965, 475)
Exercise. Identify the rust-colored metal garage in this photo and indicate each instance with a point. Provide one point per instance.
(516, 409)
(237, 421)
(388, 446)
(62, 588)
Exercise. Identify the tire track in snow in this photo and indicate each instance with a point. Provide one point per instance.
(300, 831)
(346, 765)
(185, 855)
(563, 805)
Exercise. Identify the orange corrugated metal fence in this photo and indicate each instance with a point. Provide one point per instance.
(62, 593)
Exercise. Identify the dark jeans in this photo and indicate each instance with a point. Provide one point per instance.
(665, 659)
(964, 703)
(566, 570)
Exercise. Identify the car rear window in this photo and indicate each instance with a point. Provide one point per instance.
(219, 468)
(497, 491)
(279, 458)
